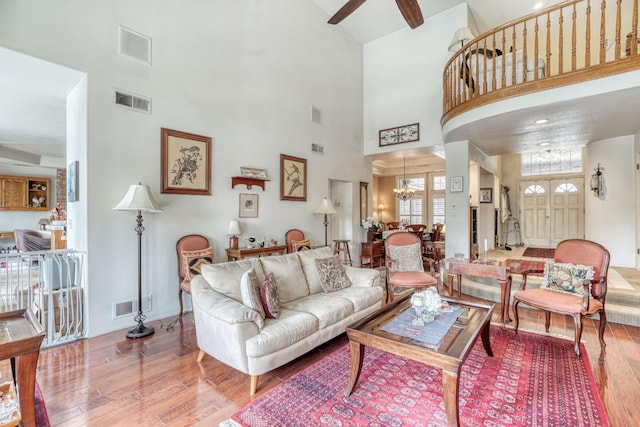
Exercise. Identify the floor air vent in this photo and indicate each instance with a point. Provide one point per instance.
(133, 102)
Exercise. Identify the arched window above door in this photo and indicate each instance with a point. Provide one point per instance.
(566, 188)
(534, 189)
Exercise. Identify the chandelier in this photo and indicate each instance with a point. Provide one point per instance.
(404, 192)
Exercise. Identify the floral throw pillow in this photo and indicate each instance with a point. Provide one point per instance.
(567, 278)
(193, 261)
(331, 273)
(250, 291)
(269, 297)
(406, 258)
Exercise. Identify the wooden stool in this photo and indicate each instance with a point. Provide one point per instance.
(340, 247)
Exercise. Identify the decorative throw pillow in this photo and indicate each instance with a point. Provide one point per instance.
(194, 260)
(269, 297)
(406, 258)
(332, 275)
(250, 291)
(300, 245)
(566, 278)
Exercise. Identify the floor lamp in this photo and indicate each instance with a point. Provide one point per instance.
(139, 198)
(326, 208)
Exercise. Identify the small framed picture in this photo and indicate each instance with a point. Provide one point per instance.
(248, 205)
(456, 184)
(72, 181)
(486, 195)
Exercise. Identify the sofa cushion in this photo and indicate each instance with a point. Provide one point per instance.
(290, 328)
(250, 292)
(288, 274)
(565, 277)
(269, 297)
(225, 277)
(361, 297)
(194, 260)
(329, 309)
(308, 261)
(331, 272)
(406, 257)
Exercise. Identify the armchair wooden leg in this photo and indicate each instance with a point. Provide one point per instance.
(200, 356)
(547, 320)
(516, 319)
(603, 345)
(254, 384)
(180, 300)
(577, 320)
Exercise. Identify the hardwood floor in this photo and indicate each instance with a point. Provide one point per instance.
(156, 381)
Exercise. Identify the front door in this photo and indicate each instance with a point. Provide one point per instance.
(552, 210)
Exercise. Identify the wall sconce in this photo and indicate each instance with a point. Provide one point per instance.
(597, 181)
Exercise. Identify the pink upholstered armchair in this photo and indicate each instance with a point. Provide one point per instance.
(192, 250)
(405, 268)
(558, 293)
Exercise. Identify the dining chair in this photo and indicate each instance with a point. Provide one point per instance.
(575, 284)
(192, 250)
(393, 225)
(404, 263)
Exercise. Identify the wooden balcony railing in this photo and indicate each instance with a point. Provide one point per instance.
(561, 45)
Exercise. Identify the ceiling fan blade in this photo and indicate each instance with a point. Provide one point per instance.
(411, 12)
(345, 11)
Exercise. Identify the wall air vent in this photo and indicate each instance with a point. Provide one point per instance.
(134, 45)
(133, 102)
(317, 148)
(127, 308)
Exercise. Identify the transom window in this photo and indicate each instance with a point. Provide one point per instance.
(551, 162)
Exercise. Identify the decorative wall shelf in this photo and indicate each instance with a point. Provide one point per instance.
(249, 182)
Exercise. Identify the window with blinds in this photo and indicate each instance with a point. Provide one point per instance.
(412, 210)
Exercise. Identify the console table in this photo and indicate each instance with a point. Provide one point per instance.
(241, 253)
(20, 338)
(491, 270)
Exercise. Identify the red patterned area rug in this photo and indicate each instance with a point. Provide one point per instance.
(539, 252)
(532, 380)
(42, 417)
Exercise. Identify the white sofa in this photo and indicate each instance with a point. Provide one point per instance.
(230, 331)
(476, 64)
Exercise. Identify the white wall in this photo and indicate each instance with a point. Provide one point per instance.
(403, 80)
(610, 219)
(244, 73)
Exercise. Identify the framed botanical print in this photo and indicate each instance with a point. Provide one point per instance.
(185, 161)
(293, 178)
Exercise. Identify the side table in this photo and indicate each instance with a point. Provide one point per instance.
(20, 338)
(241, 253)
(495, 270)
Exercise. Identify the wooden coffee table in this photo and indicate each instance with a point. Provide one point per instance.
(448, 355)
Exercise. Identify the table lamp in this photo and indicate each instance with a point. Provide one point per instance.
(234, 230)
